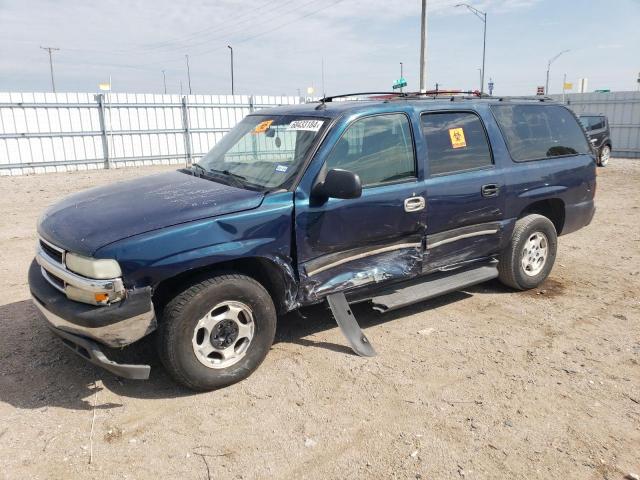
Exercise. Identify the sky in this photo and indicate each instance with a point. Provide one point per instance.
(280, 46)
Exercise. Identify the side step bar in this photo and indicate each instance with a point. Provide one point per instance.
(426, 287)
(349, 325)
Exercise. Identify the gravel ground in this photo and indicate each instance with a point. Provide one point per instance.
(485, 383)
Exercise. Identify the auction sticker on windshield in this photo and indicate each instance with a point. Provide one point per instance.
(307, 125)
(263, 126)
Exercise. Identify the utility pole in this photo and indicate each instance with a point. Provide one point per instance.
(188, 73)
(50, 50)
(324, 93)
(164, 80)
(546, 88)
(483, 17)
(231, 49)
(423, 47)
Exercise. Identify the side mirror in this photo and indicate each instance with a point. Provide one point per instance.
(339, 184)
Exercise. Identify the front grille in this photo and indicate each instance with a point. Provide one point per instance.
(51, 252)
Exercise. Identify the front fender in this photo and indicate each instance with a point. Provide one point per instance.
(150, 258)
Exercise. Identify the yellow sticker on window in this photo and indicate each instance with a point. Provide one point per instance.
(457, 137)
(263, 126)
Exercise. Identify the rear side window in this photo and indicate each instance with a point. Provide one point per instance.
(535, 132)
(378, 148)
(591, 123)
(456, 141)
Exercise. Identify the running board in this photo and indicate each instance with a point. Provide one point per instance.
(430, 287)
(349, 325)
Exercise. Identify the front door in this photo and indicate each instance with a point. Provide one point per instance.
(465, 190)
(343, 244)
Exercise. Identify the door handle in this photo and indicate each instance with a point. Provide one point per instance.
(414, 204)
(490, 190)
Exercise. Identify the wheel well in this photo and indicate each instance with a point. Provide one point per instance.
(552, 208)
(265, 271)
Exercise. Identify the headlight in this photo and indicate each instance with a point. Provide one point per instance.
(93, 267)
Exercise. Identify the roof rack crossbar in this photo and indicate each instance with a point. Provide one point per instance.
(329, 99)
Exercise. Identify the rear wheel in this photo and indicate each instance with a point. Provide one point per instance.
(529, 257)
(217, 331)
(605, 154)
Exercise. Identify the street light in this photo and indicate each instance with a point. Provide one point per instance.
(546, 88)
(231, 50)
(482, 16)
(401, 75)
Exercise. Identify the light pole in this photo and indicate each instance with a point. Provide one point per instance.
(188, 73)
(50, 50)
(164, 80)
(401, 76)
(482, 16)
(231, 50)
(546, 88)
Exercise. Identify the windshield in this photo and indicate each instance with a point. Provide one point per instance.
(263, 151)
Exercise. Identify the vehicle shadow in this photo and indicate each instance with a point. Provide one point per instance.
(37, 371)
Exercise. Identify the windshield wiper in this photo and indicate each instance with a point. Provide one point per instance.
(238, 180)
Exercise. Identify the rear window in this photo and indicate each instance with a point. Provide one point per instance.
(535, 132)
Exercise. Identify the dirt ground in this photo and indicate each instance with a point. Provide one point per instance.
(486, 383)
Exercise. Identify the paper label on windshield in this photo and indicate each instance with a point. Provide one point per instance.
(263, 126)
(281, 168)
(457, 137)
(307, 125)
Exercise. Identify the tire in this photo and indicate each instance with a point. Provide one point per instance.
(605, 154)
(230, 314)
(511, 264)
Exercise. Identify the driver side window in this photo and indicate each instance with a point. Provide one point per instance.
(378, 148)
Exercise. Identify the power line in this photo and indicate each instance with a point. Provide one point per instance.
(179, 42)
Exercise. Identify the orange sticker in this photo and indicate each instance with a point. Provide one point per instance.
(263, 126)
(457, 137)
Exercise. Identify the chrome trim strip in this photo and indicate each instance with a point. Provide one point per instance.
(460, 237)
(114, 285)
(363, 255)
(117, 334)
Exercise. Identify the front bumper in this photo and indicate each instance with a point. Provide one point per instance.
(91, 352)
(114, 325)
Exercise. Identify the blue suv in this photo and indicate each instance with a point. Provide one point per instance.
(391, 200)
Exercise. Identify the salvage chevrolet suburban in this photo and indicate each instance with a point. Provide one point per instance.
(391, 200)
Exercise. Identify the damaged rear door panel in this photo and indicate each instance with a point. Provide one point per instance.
(346, 243)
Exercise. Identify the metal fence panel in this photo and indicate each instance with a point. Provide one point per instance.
(47, 132)
(623, 112)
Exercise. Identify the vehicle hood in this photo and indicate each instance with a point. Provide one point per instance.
(89, 220)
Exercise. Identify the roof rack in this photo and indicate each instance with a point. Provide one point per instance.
(438, 94)
(344, 95)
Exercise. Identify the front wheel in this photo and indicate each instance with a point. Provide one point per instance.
(217, 331)
(605, 154)
(529, 257)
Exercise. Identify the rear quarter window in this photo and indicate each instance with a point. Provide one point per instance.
(536, 132)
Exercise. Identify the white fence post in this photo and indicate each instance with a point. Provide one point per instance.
(103, 130)
(187, 130)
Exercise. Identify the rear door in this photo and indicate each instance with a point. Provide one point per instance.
(465, 190)
(346, 243)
